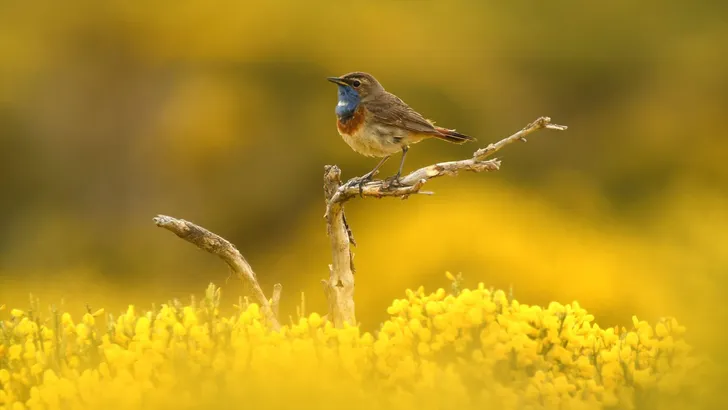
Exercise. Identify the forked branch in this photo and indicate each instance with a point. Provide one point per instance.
(339, 288)
(413, 182)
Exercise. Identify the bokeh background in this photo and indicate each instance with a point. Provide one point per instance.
(219, 112)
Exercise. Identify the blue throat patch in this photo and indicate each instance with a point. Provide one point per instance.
(348, 101)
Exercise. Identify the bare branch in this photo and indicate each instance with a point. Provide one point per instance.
(540, 123)
(413, 182)
(339, 289)
(217, 245)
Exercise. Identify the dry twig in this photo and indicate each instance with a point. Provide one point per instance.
(217, 245)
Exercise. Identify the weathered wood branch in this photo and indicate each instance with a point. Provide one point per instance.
(339, 288)
(413, 182)
(217, 245)
(276, 300)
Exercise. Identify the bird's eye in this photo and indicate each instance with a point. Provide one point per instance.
(356, 83)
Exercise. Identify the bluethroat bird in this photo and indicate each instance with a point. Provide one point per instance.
(377, 123)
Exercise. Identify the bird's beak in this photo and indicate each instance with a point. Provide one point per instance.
(337, 80)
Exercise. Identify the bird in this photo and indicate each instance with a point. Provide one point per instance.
(377, 123)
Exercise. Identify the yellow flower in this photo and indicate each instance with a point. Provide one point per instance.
(104, 369)
(314, 320)
(82, 331)
(661, 330)
(29, 354)
(15, 351)
(345, 337)
(415, 311)
(425, 334)
(489, 306)
(467, 297)
(415, 325)
(395, 308)
(189, 318)
(4, 376)
(16, 313)
(625, 354)
(632, 339)
(499, 297)
(389, 327)
(50, 377)
(556, 308)
(47, 333)
(440, 322)
(36, 369)
(254, 310)
(474, 316)
(433, 308)
(436, 347)
(410, 294)
(88, 319)
(609, 337)
(562, 386)
(66, 319)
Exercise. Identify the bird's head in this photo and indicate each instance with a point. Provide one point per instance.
(362, 84)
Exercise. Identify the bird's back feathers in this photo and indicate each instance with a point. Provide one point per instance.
(387, 108)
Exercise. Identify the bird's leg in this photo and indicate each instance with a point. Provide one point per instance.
(368, 176)
(394, 180)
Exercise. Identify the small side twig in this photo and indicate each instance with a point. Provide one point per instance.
(217, 245)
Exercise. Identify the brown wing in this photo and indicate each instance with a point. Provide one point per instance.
(389, 109)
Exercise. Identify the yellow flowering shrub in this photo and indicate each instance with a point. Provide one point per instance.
(463, 348)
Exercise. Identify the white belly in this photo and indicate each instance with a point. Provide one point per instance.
(375, 141)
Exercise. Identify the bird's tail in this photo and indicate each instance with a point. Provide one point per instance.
(453, 136)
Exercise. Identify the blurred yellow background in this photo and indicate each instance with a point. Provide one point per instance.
(219, 112)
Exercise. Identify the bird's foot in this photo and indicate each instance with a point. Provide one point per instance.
(393, 181)
(360, 181)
